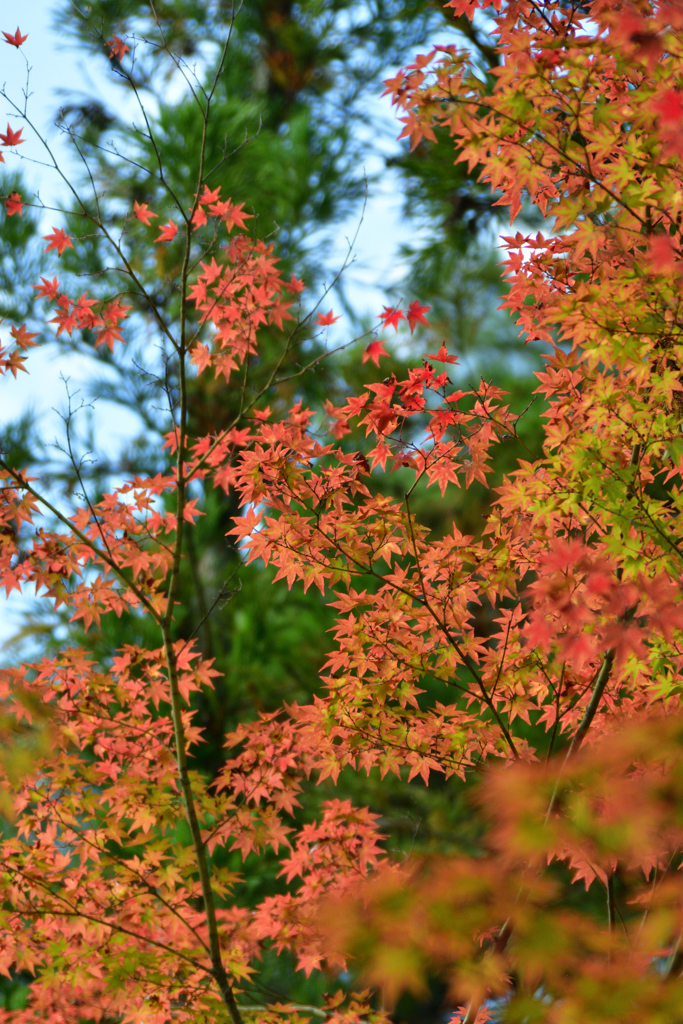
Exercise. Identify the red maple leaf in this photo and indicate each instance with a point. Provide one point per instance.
(669, 107)
(58, 240)
(631, 28)
(375, 351)
(13, 204)
(200, 357)
(142, 213)
(12, 138)
(199, 217)
(15, 40)
(416, 315)
(235, 216)
(190, 511)
(390, 317)
(109, 336)
(115, 311)
(117, 48)
(325, 319)
(230, 215)
(442, 356)
(662, 254)
(220, 208)
(209, 196)
(48, 289)
(168, 232)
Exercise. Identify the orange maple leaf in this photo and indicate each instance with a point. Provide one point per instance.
(200, 357)
(208, 196)
(295, 285)
(236, 216)
(22, 337)
(190, 511)
(199, 218)
(108, 336)
(442, 356)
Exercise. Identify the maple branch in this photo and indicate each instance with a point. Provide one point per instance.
(182, 350)
(30, 912)
(601, 681)
(77, 469)
(97, 222)
(556, 723)
(499, 944)
(502, 657)
(208, 612)
(132, 586)
(152, 140)
(611, 914)
(71, 912)
(217, 969)
(675, 545)
(466, 659)
(478, 103)
(290, 1006)
(675, 959)
(608, 662)
(123, 863)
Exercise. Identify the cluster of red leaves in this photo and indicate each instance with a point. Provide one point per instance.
(237, 294)
(577, 575)
(82, 313)
(109, 782)
(83, 570)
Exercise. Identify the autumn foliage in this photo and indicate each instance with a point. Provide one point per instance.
(114, 893)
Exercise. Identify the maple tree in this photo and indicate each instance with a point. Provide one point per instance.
(297, 173)
(117, 894)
